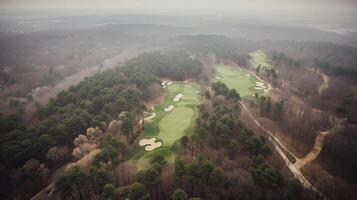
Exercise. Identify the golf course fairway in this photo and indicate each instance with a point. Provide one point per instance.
(239, 79)
(259, 58)
(169, 127)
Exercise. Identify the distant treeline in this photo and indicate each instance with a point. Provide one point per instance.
(222, 47)
(279, 58)
(336, 69)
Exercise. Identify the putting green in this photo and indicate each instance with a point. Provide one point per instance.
(238, 79)
(260, 58)
(169, 127)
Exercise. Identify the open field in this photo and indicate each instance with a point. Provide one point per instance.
(259, 58)
(243, 81)
(169, 127)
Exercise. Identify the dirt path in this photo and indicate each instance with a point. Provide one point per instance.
(283, 150)
(319, 142)
(280, 148)
(325, 78)
(312, 155)
(83, 162)
(318, 145)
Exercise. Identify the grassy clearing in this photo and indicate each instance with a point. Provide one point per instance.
(169, 127)
(260, 58)
(237, 78)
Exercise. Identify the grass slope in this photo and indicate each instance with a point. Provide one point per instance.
(169, 127)
(260, 58)
(235, 78)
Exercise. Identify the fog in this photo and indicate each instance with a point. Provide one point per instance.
(257, 8)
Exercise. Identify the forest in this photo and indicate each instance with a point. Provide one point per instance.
(92, 103)
(141, 104)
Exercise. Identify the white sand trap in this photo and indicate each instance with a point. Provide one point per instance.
(248, 75)
(259, 84)
(145, 141)
(169, 108)
(169, 83)
(259, 88)
(218, 77)
(197, 91)
(177, 97)
(163, 84)
(151, 144)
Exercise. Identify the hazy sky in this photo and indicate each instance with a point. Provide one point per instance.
(298, 8)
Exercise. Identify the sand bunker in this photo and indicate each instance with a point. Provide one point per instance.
(197, 91)
(178, 97)
(163, 84)
(248, 75)
(259, 84)
(150, 144)
(169, 108)
(218, 77)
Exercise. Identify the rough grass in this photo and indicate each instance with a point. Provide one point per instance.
(260, 58)
(169, 127)
(235, 78)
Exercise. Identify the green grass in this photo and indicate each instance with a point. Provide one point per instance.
(260, 58)
(235, 78)
(173, 126)
(169, 127)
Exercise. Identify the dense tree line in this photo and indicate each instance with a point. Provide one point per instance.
(222, 47)
(94, 102)
(194, 174)
(175, 65)
(280, 58)
(220, 129)
(267, 107)
(221, 89)
(336, 69)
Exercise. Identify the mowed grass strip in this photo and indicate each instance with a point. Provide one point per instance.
(235, 78)
(169, 127)
(172, 127)
(260, 58)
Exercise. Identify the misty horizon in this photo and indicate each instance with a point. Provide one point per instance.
(258, 8)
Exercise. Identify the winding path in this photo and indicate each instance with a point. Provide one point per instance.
(325, 78)
(312, 155)
(282, 149)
